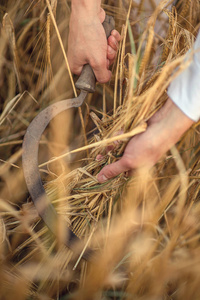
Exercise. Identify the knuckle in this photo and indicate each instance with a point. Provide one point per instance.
(111, 62)
(128, 162)
(111, 56)
(75, 70)
(111, 53)
(103, 78)
(113, 43)
(100, 62)
(101, 71)
(116, 34)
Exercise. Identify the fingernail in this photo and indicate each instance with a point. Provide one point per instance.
(99, 157)
(102, 178)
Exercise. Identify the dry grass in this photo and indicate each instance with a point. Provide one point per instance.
(145, 229)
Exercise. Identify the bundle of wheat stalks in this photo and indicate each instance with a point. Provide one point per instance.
(144, 229)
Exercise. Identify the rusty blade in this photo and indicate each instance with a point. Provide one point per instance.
(31, 171)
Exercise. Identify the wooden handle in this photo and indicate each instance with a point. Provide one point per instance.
(87, 80)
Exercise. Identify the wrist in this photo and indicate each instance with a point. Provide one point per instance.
(86, 7)
(169, 124)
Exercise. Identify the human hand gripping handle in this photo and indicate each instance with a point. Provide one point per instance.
(87, 43)
(87, 79)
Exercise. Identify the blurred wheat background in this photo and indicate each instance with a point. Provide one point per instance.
(145, 230)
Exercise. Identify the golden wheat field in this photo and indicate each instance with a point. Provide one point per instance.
(144, 230)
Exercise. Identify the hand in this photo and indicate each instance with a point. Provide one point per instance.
(164, 129)
(87, 42)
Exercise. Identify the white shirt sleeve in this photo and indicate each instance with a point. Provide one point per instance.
(185, 89)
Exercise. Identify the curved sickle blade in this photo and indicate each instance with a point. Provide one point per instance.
(30, 166)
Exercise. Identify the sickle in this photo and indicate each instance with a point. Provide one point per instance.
(30, 146)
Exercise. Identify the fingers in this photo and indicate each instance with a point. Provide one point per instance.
(113, 170)
(111, 53)
(101, 72)
(100, 69)
(114, 39)
(111, 56)
(99, 66)
(99, 63)
(116, 35)
(113, 45)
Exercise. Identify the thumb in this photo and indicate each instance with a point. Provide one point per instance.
(74, 67)
(102, 74)
(112, 170)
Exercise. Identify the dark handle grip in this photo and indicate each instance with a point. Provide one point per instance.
(87, 80)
